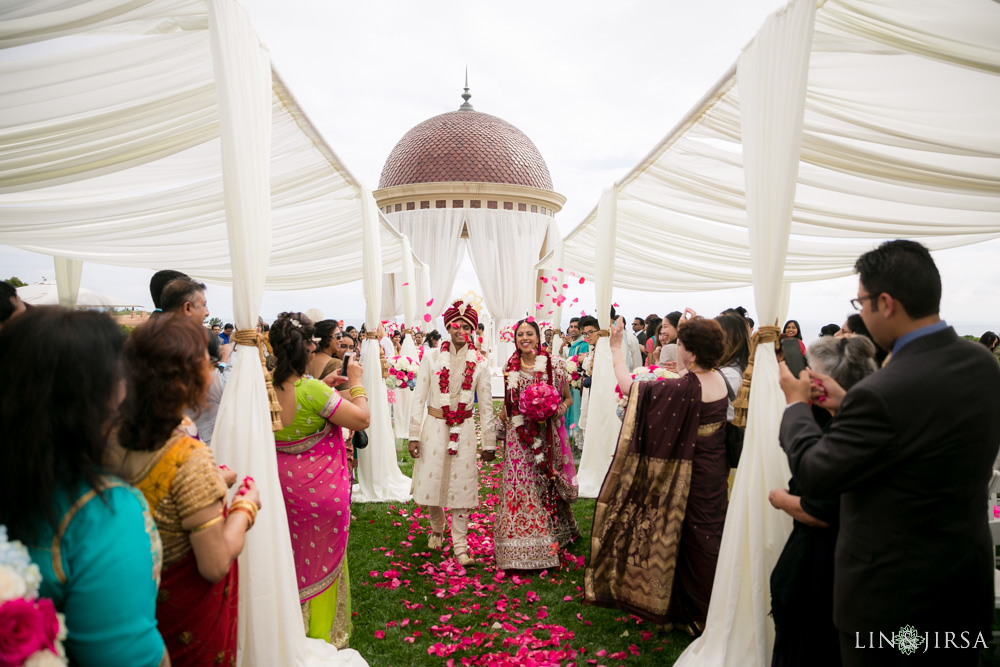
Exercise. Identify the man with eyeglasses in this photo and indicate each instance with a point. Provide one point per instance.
(574, 345)
(589, 328)
(910, 450)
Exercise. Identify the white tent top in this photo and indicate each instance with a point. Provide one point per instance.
(133, 176)
(47, 294)
(900, 140)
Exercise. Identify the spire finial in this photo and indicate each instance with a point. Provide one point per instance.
(466, 95)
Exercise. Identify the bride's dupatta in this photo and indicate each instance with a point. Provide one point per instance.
(641, 508)
(316, 481)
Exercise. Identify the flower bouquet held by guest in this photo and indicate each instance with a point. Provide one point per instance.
(443, 434)
(168, 372)
(539, 479)
(659, 517)
(315, 475)
(91, 537)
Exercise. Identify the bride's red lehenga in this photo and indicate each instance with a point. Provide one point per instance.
(534, 519)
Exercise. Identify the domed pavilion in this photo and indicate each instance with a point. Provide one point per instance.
(469, 178)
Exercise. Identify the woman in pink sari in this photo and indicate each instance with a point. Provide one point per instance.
(539, 479)
(315, 475)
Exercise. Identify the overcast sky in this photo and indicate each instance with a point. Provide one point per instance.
(594, 85)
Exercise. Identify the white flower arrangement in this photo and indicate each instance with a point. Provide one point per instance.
(36, 631)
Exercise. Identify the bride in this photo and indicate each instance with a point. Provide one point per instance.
(539, 479)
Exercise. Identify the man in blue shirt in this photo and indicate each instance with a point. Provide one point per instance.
(911, 451)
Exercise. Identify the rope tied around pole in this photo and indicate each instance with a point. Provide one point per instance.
(250, 338)
(741, 404)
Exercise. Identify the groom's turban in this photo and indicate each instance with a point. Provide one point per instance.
(463, 311)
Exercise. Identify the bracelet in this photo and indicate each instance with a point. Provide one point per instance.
(620, 362)
(243, 503)
(357, 392)
(250, 517)
(207, 524)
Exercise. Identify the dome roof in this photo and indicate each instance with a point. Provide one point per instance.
(465, 146)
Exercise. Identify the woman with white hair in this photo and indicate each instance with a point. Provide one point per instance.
(802, 579)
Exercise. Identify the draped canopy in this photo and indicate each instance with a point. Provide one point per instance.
(133, 176)
(899, 139)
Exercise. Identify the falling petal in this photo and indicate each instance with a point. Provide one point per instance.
(581, 280)
(427, 317)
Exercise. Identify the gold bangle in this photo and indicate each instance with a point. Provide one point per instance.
(357, 392)
(245, 504)
(620, 362)
(207, 524)
(250, 517)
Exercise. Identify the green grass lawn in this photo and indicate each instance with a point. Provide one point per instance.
(415, 607)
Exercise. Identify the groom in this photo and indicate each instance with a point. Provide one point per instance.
(442, 433)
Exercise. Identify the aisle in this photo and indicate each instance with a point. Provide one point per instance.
(414, 607)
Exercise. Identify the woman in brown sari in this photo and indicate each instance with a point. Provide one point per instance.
(659, 517)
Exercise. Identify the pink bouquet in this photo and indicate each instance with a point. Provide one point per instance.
(539, 401)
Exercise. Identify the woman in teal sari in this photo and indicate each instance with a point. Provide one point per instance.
(91, 535)
(313, 465)
(578, 346)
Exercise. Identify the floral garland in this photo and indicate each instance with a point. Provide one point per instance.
(455, 418)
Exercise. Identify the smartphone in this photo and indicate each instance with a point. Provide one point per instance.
(347, 360)
(794, 358)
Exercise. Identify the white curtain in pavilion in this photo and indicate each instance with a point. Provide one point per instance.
(505, 246)
(436, 237)
(404, 397)
(379, 476)
(772, 78)
(68, 273)
(603, 426)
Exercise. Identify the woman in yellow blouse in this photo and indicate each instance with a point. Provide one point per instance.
(168, 371)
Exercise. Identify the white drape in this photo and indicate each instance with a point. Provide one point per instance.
(404, 397)
(601, 435)
(68, 273)
(132, 176)
(436, 237)
(379, 476)
(505, 246)
(772, 75)
(900, 140)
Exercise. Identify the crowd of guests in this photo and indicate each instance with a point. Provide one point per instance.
(891, 434)
(108, 476)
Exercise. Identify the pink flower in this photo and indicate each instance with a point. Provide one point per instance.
(26, 628)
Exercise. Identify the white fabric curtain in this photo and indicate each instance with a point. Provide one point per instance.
(436, 237)
(133, 176)
(772, 75)
(404, 397)
(899, 140)
(379, 476)
(601, 434)
(68, 273)
(423, 293)
(505, 246)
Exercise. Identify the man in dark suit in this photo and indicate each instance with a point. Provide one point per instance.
(911, 450)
